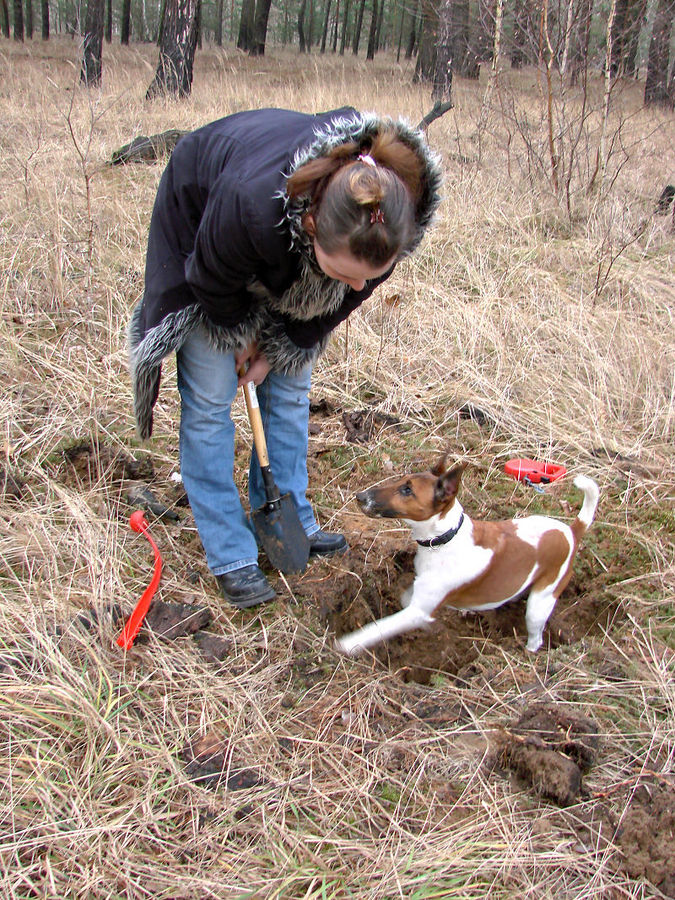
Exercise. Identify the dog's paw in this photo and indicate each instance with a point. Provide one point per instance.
(346, 647)
(533, 644)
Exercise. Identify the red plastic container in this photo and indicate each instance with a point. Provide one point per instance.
(534, 472)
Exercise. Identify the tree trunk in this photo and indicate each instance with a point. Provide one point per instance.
(218, 34)
(29, 19)
(522, 34)
(72, 19)
(18, 21)
(357, 28)
(482, 43)
(262, 13)
(442, 83)
(618, 31)
(45, 19)
(336, 21)
(145, 33)
(370, 52)
(639, 11)
(160, 27)
(343, 39)
(628, 22)
(426, 56)
(579, 42)
(310, 27)
(412, 34)
(378, 30)
(108, 22)
(4, 15)
(177, 50)
(90, 73)
(657, 88)
(301, 27)
(400, 34)
(125, 25)
(246, 25)
(324, 33)
(463, 60)
(284, 36)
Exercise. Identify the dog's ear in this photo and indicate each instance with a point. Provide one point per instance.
(439, 468)
(448, 484)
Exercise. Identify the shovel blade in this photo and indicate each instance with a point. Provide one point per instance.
(282, 536)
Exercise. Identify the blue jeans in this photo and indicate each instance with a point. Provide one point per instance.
(207, 382)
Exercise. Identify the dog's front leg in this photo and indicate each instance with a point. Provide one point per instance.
(406, 596)
(406, 620)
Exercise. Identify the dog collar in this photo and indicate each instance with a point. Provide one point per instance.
(443, 538)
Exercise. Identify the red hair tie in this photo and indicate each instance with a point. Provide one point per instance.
(376, 215)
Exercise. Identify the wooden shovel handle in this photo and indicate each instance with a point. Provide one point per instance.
(255, 419)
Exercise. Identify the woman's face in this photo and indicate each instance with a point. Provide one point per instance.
(342, 266)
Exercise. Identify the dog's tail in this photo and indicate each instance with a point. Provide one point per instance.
(587, 512)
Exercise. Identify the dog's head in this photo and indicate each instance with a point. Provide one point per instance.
(415, 497)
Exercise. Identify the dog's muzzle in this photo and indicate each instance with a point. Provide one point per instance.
(370, 505)
(365, 501)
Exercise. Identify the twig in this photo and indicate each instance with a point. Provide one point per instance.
(437, 110)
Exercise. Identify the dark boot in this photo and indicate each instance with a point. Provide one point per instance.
(245, 587)
(325, 543)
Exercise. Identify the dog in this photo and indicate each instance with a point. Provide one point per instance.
(471, 566)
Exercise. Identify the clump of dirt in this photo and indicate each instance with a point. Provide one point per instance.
(646, 835)
(173, 620)
(215, 648)
(549, 748)
(11, 486)
(362, 425)
(87, 463)
(207, 763)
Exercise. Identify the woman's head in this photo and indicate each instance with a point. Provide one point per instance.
(361, 199)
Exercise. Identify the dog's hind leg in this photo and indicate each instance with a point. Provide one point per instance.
(381, 630)
(540, 605)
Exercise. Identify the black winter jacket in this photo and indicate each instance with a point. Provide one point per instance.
(227, 249)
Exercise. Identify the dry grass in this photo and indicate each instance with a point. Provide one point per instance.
(558, 326)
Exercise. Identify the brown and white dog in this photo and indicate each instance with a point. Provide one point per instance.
(471, 566)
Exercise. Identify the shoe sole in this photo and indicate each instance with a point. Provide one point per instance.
(248, 602)
(323, 553)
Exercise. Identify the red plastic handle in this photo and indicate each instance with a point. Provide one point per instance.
(138, 522)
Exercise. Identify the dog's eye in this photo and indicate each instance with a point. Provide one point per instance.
(405, 490)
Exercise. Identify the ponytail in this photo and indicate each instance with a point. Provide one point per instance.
(362, 197)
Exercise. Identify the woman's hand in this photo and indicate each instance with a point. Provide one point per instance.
(251, 365)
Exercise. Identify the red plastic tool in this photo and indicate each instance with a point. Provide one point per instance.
(532, 471)
(138, 523)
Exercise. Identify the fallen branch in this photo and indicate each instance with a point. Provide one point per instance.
(436, 111)
(147, 149)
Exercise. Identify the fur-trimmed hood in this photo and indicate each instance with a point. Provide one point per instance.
(362, 128)
(227, 250)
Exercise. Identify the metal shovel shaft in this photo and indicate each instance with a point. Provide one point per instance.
(276, 523)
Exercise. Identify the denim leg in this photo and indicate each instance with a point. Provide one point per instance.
(207, 382)
(284, 406)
